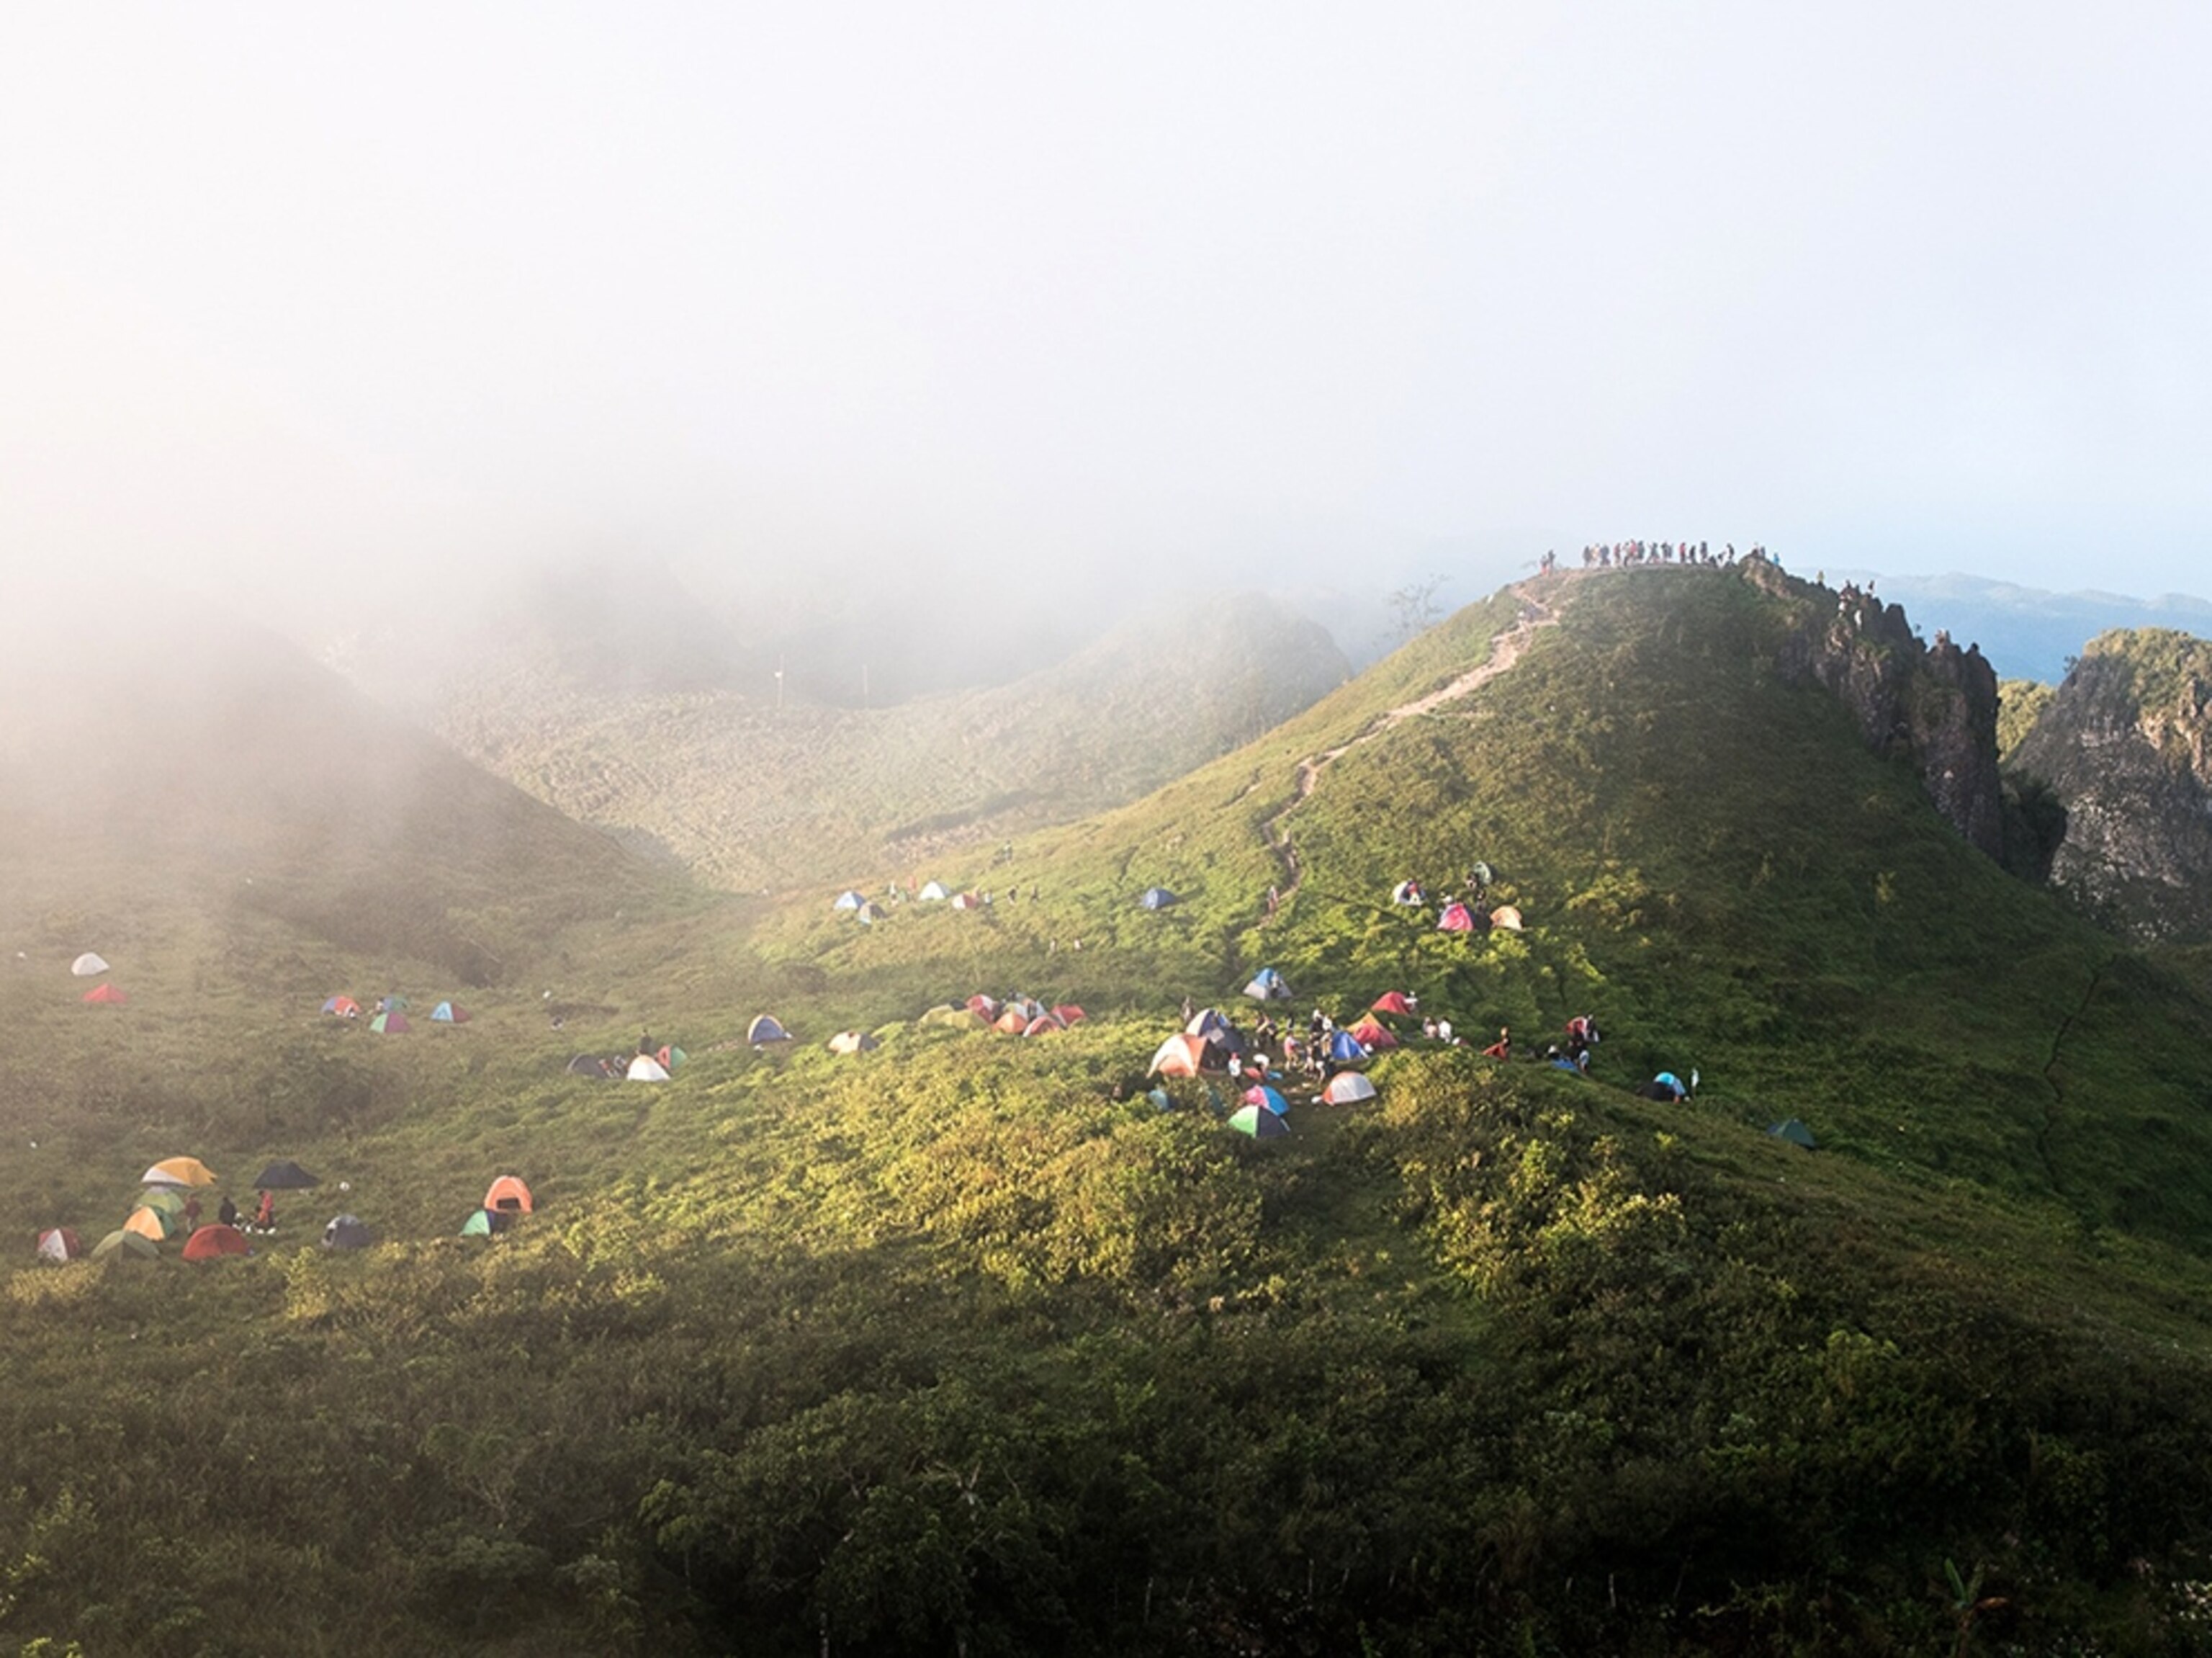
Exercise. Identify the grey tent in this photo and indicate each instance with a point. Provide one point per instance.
(1795, 1132)
(285, 1176)
(347, 1232)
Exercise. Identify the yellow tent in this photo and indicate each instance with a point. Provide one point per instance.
(178, 1171)
(148, 1224)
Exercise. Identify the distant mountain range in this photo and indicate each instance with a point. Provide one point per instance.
(2028, 633)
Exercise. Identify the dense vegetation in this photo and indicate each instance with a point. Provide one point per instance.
(963, 1345)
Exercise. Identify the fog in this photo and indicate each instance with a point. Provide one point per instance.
(1021, 314)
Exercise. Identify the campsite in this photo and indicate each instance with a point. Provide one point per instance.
(698, 1272)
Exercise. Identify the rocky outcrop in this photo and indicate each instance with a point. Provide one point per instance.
(2126, 745)
(1934, 704)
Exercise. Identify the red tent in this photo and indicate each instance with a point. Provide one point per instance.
(1392, 1001)
(1457, 918)
(1068, 1013)
(508, 1192)
(106, 995)
(1370, 1034)
(212, 1243)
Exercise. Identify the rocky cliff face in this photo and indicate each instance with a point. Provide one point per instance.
(1934, 703)
(2126, 745)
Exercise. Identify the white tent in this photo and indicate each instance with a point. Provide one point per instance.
(88, 965)
(645, 1069)
(934, 892)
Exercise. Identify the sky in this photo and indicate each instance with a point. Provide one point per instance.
(991, 307)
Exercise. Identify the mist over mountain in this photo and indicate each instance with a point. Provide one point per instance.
(666, 723)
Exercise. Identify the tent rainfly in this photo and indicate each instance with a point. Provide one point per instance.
(1347, 1088)
(89, 966)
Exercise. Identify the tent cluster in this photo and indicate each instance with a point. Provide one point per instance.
(648, 1064)
(391, 1017)
(91, 965)
(1023, 1015)
(506, 1201)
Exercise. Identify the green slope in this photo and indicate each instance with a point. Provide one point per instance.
(956, 1345)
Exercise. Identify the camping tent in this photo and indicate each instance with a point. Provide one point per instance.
(1344, 1048)
(766, 1029)
(1506, 918)
(1260, 1123)
(853, 1042)
(868, 914)
(1393, 1001)
(966, 901)
(1042, 1023)
(1347, 1088)
(1206, 1021)
(671, 1056)
(155, 1225)
(390, 1022)
(591, 1064)
(508, 1192)
(934, 892)
(1261, 1095)
(347, 1232)
(89, 966)
(391, 1004)
(982, 1006)
(446, 1013)
(848, 899)
(179, 1171)
(1406, 891)
(283, 1176)
(1157, 897)
(59, 1243)
(1795, 1132)
(126, 1246)
(343, 1007)
(1457, 918)
(1012, 1019)
(1268, 985)
(106, 995)
(212, 1243)
(1181, 1055)
(484, 1223)
(645, 1069)
(166, 1198)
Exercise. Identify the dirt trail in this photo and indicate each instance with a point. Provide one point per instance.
(1505, 650)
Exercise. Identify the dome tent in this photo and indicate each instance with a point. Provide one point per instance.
(89, 966)
(348, 1231)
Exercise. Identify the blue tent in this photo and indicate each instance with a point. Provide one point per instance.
(848, 899)
(1343, 1046)
(1268, 1098)
(1208, 1022)
(1795, 1132)
(446, 1013)
(1157, 898)
(1268, 985)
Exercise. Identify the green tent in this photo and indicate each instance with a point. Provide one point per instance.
(1260, 1123)
(1795, 1132)
(124, 1245)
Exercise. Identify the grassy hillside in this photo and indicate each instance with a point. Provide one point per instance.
(963, 1346)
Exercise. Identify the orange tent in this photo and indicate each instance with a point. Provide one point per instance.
(212, 1243)
(148, 1224)
(508, 1192)
(1179, 1055)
